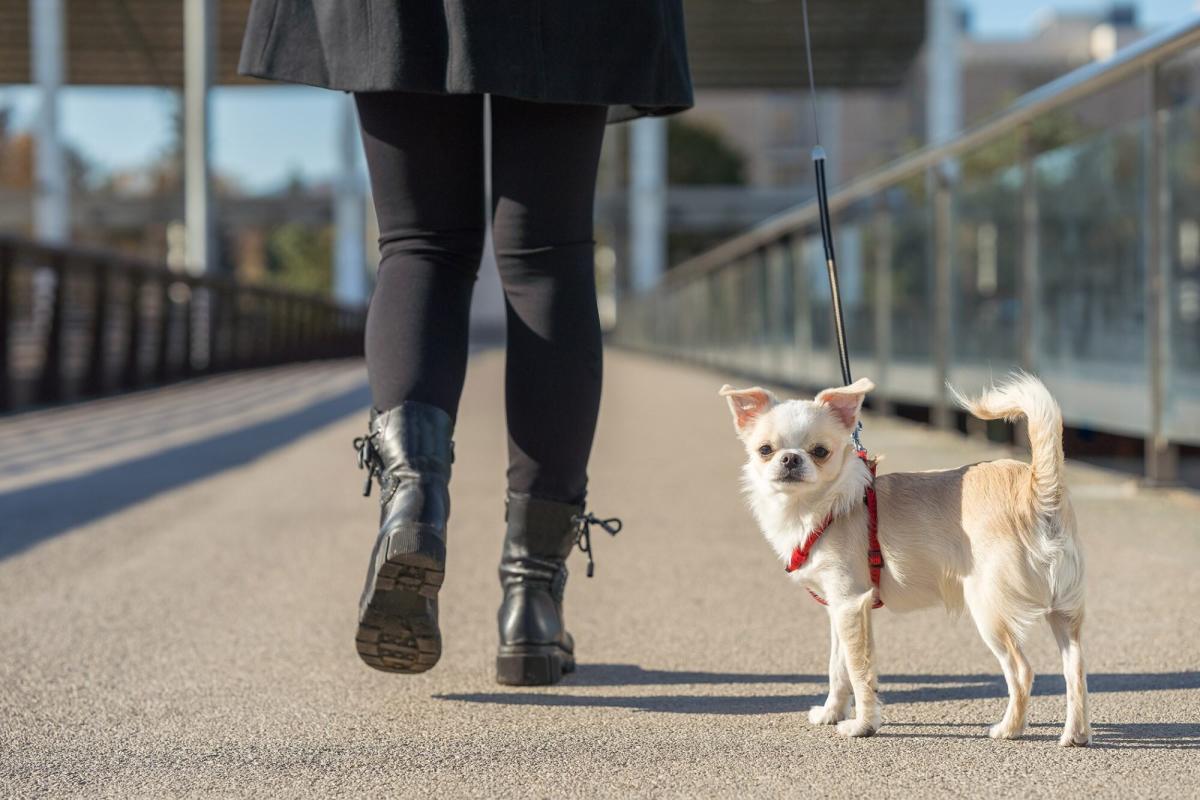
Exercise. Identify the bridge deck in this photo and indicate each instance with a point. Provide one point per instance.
(180, 568)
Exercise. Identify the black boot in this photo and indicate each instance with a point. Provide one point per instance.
(408, 451)
(535, 648)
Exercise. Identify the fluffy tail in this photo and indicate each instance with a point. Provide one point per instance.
(1023, 395)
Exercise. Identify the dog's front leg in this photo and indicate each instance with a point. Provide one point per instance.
(837, 705)
(853, 619)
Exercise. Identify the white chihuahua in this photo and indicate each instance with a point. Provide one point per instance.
(998, 537)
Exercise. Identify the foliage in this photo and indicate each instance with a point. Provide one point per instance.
(300, 257)
(698, 155)
(1047, 132)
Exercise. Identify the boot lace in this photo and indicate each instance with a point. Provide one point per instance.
(612, 526)
(368, 459)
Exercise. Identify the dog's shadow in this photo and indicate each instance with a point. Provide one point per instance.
(1117, 735)
(895, 689)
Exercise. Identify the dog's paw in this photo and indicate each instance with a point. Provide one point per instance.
(1075, 738)
(1002, 730)
(823, 715)
(856, 727)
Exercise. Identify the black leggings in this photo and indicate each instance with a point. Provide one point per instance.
(426, 161)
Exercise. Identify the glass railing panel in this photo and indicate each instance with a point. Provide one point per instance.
(912, 284)
(799, 246)
(822, 369)
(781, 310)
(1182, 249)
(1091, 343)
(1052, 207)
(853, 238)
(910, 374)
(729, 295)
(985, 304)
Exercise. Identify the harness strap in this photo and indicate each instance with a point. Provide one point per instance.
(874, 552)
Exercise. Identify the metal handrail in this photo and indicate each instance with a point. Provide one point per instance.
(113, 340)
(1076, 84)
(34, 250)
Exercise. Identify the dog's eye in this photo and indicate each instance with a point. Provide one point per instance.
(765, 450)
(819, 452)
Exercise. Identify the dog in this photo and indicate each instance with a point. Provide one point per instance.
(997, 538)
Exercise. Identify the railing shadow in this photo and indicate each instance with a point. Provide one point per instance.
(895, 689)
(36, 513)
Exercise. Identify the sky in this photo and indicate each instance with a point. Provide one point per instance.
(121, 129)
(995, 18)
(263, 136)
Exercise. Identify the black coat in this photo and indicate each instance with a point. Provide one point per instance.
(627, 54)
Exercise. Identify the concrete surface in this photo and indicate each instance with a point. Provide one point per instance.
(180, 569)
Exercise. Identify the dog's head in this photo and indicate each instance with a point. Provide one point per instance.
(796, 447)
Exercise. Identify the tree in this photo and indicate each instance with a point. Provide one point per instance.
(300, 257)
(700, 156)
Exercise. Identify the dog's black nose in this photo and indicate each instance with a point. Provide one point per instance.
(790, 460)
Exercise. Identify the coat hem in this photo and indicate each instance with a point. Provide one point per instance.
(620, 109)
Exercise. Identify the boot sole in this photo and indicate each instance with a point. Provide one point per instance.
(533, 665)
(398, 627)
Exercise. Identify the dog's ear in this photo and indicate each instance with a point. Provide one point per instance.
(846, 401)
(747, 404)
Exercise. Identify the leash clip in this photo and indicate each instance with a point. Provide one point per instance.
(855, 437)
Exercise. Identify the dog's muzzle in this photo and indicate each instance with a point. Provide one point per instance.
(792, 475)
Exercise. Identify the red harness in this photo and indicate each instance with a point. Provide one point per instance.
(874, 554)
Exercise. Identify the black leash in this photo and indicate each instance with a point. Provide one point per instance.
(818, 157)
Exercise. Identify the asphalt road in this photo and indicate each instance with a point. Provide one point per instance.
(179, 571)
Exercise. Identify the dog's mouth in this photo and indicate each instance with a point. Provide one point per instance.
(791, 476)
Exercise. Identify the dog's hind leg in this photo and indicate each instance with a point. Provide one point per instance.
(853, 620)
(1067, 628)
(1001, 639)
(837, 705)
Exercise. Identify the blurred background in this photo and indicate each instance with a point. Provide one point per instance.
(1017, 184)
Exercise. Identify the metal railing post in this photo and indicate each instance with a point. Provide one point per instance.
(50, 381)
(759, 281)
(162, 355)
(1028, 276)
(287, 313)
(94, 383)
(803, 300)
(882, 265)
(271, 327)
(257, 319)
(213, 308)
(783, 327)
(225, 326)
(132, 374)
(326, 330)
(1162, 457)
(941, 414)
(237, 326)
(187, 312)
(306, 328)
(6, 271)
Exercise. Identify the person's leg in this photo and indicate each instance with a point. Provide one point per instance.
(544, 161)
(425, 158)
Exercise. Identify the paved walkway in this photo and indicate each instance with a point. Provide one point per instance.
(179, 570)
